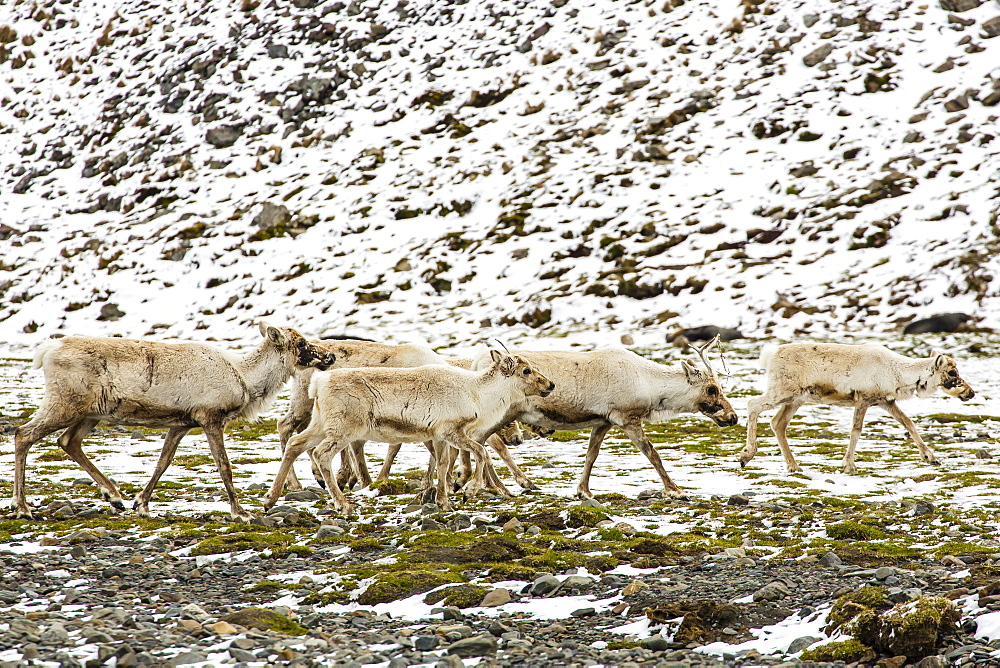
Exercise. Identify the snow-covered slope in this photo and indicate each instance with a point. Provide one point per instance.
(448, 170)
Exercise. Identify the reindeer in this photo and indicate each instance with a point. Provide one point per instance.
(861, 376)
(178, 386)
(615, 387)
(440, 404)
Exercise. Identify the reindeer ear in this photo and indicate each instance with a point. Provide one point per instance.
(496, 355)
(691, 372)
(939, 361)
(272, 333)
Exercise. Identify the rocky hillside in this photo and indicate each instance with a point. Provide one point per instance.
(447, 169)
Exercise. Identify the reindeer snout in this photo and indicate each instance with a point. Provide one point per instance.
(546, 392)
(324, 361)
(967, 394)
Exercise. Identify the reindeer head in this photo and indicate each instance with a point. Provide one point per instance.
(512, 366)
(709, 399)
(306, 354)
(946, 373)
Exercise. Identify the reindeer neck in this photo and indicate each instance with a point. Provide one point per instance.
(264, 373)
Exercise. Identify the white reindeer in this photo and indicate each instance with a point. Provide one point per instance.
(615, 387)
(861, 376)
(362, 353)
(440, 404)
(178, 386)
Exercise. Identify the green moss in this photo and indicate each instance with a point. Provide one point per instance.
(504, 572)
(247, 540)
(583, 516)
(365, 545)
(265, 620)
(252, 431)
(192, 461)
(848, 606)
(393, 586)
(327, 597)
(391, 487)
(960, 548)
(945, 418)
(563, 436)
(855, 531)
(850, 651)
(459, 596)
(911, 629)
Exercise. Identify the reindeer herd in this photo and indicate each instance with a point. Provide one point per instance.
(350, 391)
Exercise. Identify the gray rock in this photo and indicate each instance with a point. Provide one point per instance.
(593, 503)
(991, 28)
(305, 494)
(425, 643)
(800, 644)
(810, 20)
(225, 136)
(583, 612)
(269, 217)
(883, 572)
(771, 592)
(738, 500)
(656, 643)
(543, 585)
(329, 531)
(110, 313)
(933, 662)
(830, 560)
(959, 5)
(818, 55)
(242, 655)
(21, 626)
(185, 658)
(55, 636)
(475, 646)
(577, 582)
(277, 51)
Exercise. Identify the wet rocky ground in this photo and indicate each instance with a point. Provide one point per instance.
(753, 566)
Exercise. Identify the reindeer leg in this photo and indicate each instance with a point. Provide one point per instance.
(458, 440)
(754, 408)
(893, 409)
(71, 441)
(174, 436)
(289, 425)
(326, 451)
(27, 435)
(429, 495)
(635, 432)
(390, 457)
(213, 432)
(597, 435)
(297, 444)
(779, 425)
(859, 421)
(500, 447)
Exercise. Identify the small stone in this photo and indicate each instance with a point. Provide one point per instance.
(425, 643)
(185, 658)
(983, 453)
(55, 636)
(513, 525)
(634, 587)
(818, 55)
(223, 629)
(952, 560)
(49, 541)
(305, 494)
(29, 652)
(476, 646)
(738, 500)
(830, 560)
(991, 28)
(543, 585)
(329, 531)
(771, 592)
(627, 340)
(242, 655)
(656, 643)
(496, 597)
(801, 643)
(583, 612)
(883, 572)
(735, 552)
(933, 662)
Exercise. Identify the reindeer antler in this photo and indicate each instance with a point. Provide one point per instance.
(717, 341)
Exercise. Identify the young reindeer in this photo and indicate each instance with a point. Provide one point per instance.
(615, 387)
(861, 376)
(363, 353)
(440, 404)
(178, 386)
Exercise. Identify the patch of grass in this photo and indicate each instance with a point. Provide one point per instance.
(854, 531)
(192, 461)
(563, 436)
(252, 431)
(247, 540)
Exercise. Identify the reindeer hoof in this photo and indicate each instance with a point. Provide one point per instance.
(429, 495)
(118, 505)
(22, 514)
